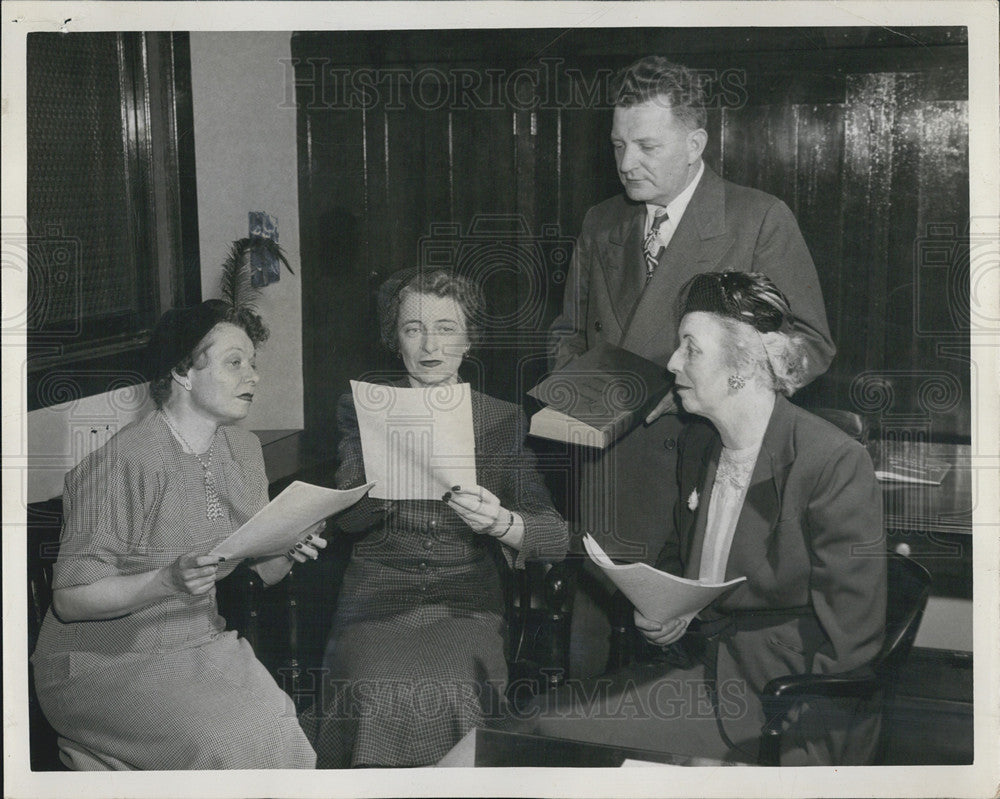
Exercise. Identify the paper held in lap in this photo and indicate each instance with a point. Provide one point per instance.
(417, 442)
(281, 522)
(659, 596)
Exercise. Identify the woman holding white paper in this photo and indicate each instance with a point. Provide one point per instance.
(416, 653)
(768, 492)
(133, 666)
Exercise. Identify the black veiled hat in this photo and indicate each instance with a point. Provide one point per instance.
(178, 332)
(748, 297)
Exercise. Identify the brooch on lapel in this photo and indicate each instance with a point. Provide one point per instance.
(693, 500)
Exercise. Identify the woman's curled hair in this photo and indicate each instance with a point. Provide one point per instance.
(438, 282)
(177, 340)
(759, 323)
(776, 358)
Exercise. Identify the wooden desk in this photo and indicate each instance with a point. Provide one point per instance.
(941, 508)
(293, 454)
(496, 748)
(934, 522)
(282, 452)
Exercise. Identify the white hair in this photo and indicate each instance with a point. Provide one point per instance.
(777, 360)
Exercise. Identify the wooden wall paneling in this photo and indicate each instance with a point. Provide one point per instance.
(942, 214)
(418, 187)
(530, 276)
(541, 297)
(437, 173)
(946, 81)
(866, 202)
(941, 289)
(760, 149)
(714, 154)
(900, 339)
(588, 173)
(484, 183)
(383, 244)
(483, 164)
(381, 230)
(508, 265)
(547, 186)
(819, 174)
(405, 182)
(334, 244)
(410, 178)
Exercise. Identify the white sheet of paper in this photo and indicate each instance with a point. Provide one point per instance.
(280, 524)
(658, 596)
(417, 442)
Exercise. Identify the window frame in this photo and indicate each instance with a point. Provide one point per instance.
(158, 131)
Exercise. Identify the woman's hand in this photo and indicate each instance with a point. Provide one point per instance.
(478, 508)
(310, 545)
(660, 633)
(666, 405)
(193, 574)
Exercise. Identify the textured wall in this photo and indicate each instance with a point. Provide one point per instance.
(245, 150)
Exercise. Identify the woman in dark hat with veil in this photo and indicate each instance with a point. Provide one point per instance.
(772, 493)
(134, 668)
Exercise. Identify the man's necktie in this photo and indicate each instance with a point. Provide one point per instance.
(651, 246)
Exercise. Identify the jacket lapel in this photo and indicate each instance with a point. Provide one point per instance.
(698, 244)
(624, 272)
(762, 507)
(697, 534)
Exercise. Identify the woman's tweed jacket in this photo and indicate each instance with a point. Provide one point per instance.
(416, 654)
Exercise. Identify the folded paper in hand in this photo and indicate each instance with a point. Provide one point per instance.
(659, 596)
(597, 398)
(281, 523)
(416, 442)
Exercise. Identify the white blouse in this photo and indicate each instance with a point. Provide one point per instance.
(729, 491)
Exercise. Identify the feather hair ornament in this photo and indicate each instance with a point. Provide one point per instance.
(235, 283)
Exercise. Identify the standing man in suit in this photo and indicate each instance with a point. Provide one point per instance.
(677, 218)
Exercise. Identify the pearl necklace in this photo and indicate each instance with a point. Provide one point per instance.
(213, 507)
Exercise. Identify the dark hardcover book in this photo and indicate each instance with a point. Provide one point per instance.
(598, 397)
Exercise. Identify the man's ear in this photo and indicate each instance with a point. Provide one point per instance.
(697, 139)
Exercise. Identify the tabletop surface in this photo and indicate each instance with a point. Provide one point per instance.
(501, 748)
(944, 508)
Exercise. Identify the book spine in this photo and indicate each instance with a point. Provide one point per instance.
(619, 426)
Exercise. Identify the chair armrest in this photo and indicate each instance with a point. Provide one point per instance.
(857, 682)
(781, 693)
(558, 582)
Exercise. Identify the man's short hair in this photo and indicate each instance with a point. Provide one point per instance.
(655, 76)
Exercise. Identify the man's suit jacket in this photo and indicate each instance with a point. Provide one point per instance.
(629, 489)
(810, 542)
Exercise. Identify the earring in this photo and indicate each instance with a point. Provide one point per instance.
(736, 382)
